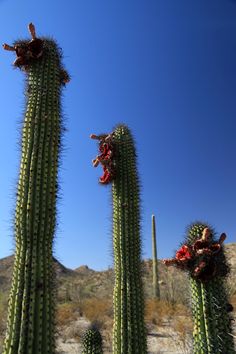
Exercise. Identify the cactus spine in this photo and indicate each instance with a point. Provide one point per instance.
(30, 328)
(92, 341)
(155, 284)
(118, 158)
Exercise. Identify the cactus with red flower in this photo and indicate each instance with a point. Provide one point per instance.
(203, 257)
(118, 159)
(31, 315)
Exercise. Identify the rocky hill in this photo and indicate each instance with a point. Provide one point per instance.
(84, 282)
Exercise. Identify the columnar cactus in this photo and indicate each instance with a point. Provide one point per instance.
(92, 341)
(118, 158)
(155, 284)
(30, 328)
(203, 257)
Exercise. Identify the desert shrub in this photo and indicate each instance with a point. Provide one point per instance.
(66, 313)
(157, 311)
(182, 310)
(231, 286)
(3, 312)
(97, 310)
(233, 301)
(176, 286)
(183, 328)
(3, 317)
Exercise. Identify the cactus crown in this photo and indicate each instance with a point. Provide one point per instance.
(208, 250)
(201, 254)
(194, 232)
(29, 52)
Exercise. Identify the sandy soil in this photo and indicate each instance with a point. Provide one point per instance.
(161, 340)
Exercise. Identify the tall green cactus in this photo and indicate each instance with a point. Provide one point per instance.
(119, 162)
(92, 341)
(203, 257)
(155, 284)
(30, 328)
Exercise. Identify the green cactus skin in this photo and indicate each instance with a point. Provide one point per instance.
(155, 284)
(30, 328)
(92, 341)
(129, 332)
(212, 327)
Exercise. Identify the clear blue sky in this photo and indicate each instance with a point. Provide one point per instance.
(166, 68)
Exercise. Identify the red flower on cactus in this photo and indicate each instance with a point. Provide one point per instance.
(106, 149)
(107, 176)
(183, 254)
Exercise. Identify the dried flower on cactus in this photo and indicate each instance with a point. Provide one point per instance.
(27, 51)
(183, 254)
(200, 257)
(203, 257)
(106, 149)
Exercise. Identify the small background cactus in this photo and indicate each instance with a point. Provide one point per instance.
(92, 341)
(155, 283)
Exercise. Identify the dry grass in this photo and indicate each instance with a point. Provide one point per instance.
(154, 311)
(159, 311)
(97, 310)
(183, 327)
(233, 301)
(3, 317)
(3, 312)
(66, 313)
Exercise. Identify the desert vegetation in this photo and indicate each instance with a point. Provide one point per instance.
(84, 296)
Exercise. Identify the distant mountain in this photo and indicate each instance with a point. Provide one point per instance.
(84, 282)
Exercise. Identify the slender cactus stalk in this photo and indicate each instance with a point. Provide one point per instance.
(203, 257)
(155, 284)
(119, 162)
(30, 328)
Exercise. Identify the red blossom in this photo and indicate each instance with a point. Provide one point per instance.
(106, 177)
(183, 254)
(106, 149)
